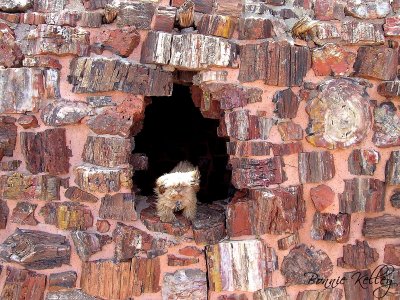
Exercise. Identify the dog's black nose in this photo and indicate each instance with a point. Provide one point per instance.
(178, 205)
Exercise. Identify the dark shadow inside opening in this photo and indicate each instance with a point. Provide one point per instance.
(174, 130)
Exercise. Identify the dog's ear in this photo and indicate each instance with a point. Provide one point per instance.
(161, 189)
(195, 182)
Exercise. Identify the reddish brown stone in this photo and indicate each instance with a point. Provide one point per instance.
(11, 18)
(49, 5)
(353, 289)
(248, 148)
(36, 249)
(131, 241)
(102, 226)
(63, 280)
(369, 9)
(339, 116)
(363, 161)
(322, 196)
(358, 256)
(3, 214)
(185, 284)
(63, 18)
(392, 254)
(8, 136)
(233, 297)
(11, 53)
(135, 13)
(290, 131)
(42, 61)
(87, 244)
(203, 6)
(286, 104)
(392, 170)
(91, 19)
(18, 186)
(329, 10)
(389, 89)
(107, 151)
(229, 8)
(106, 279)
(23, 284)
(255, 28)
(272, 211)
(331, 227)
(303, 262)
(316, 166)
(385, 226)
(287, 148)
(121, 41)
(386, 125)
(46, 151)
(289, 241)
(74, 193)
(392, 26)
(272, 293)
(164, 19)
(70, 294)
(356, 32)
(95, 4)
(64, 112)
(24, 214)
(150, 219)
(209, 224)
(328, 294)
(67, 215)
(33, 18)
(362, 195)
(265, 61)
(253, 173)
(139, 161)
(9, 166)
(28, 121)
(368, 58)
(120, 206)
(132, 78)
(332, 60)
(191, 251)
(177, 261)
(217, 25)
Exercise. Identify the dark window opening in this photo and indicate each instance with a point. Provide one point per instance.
(174, 130)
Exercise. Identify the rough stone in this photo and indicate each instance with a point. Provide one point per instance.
(95, 4)
(91, 19)
(139, 161)
(339, 116)
(46, 151)
(11, 53)
(265, 61)
(389, 89)
(255, 28)
(48, 6)
(248, 148)
(63, 280)
(385, 226)
(119, 206)
(62, 18)
(386, 126)
(352, 287)
(17, 186)
(271, 293)
(72, 294)
(392, 26)
(209, 224)
(322, 196)
(245, 259)
(23, 284)
(135, 13)
(102, 226)
(87, 244)
(22, 89)
(286, 104)
(392, 254)
(8, 136)
(217, 25)
(290, 131)
(36, 249)
(9, 166)
(164, 19)
(187, 51)
(67, 215)
(131, 241)
(43, 61)
(289, 241)
(106, 279)
(324, 32)
(363, 161)
(358, 256)
(328, 294)
(97, 74)
(176, 261)
(316, 166)
(28, 121)
(191, 251)
(203, 6)
(303, 262)
(233, 297)
(256, 173)
(121, 41)
(362, 195)
(107, 151)
(75, 194)
(369, 9)
(326, 10)
(287, 148)
(331, 227)
(13, 6)
(24, 214)
(3, 214)
(185, 284)
(392, 170)
(359, 33)
(92, 178)
(62, 112)
(58, 40)
(332, 59)
(395, 198)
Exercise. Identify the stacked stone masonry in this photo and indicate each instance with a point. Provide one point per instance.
(306, 93)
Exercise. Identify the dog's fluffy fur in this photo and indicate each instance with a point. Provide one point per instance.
(176, 191)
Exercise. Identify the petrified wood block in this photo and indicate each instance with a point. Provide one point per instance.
(118, 75)
(370, 9)
(385, 226)
(237, 265)
(23, 284)
(106, 279)
(386, 126)
(339, 116)
(352, 287)
(303, 263)
(328, 294)
(256, 173)
(217, 25)
(135, 13)
(356, 32)
(24, 214)
(286, 104)
(46, 151)
(19, 186)
(87, 243)
(28, 121)
(322, 196)
(63, 280)
(164, 19)
(395, 198)
(242, 125)
(332, 59)
(233, 297)
(392, 170)
(63, 112)
(75, 194)
(185, 284)
(290, 131)
(363, 161)
(121, 41)
(362, 195)
(67, 215)
(358, 256)
(120, 206)
(3, 214)
(8, 135)
(248, 148)
(316, 166)
(369, 58)
(36, 249)
(287, 148)
(209, 224)
(49, 6)
(11, 165)
(392, 254)
(180, 261)
(97, 179)
(72, 294)
(331, 227)
(389, 88)
(272, 293)
(289, 241)
(255, 28)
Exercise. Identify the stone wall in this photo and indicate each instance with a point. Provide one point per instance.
(306, 91)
